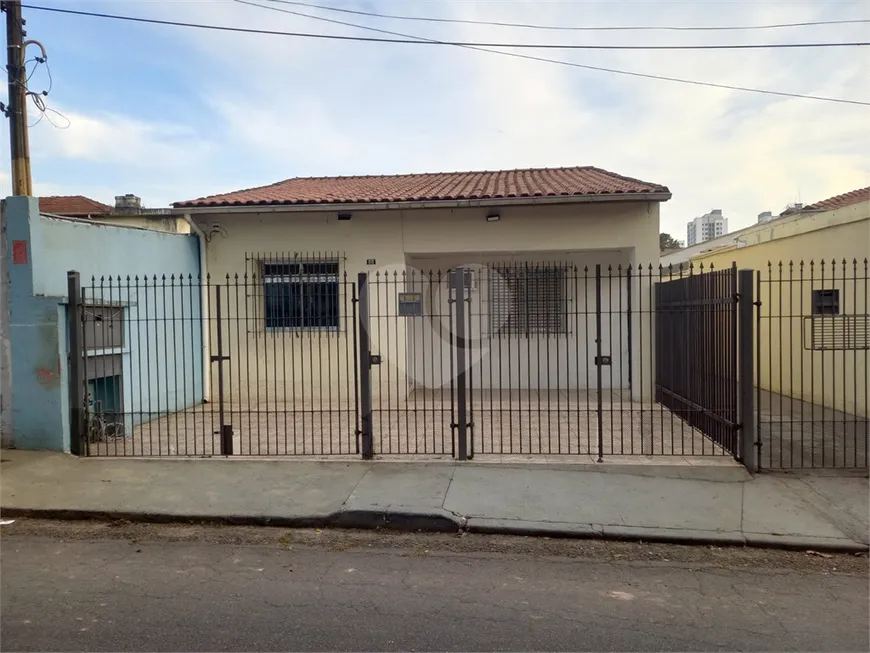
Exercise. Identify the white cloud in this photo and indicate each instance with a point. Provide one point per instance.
(109, 138)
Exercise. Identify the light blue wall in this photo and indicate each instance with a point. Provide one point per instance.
(156, 377)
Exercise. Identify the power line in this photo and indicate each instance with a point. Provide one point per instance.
(560, 62)
(568, 28)
(417, 41)
(517, 55)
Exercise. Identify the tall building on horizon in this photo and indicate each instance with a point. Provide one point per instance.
(710, 225)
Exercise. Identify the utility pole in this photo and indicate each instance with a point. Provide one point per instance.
(19, 144)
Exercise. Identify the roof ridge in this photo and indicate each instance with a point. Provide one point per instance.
(431, 174)
(565, 181)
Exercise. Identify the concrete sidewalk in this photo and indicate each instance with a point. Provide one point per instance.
(711, 505)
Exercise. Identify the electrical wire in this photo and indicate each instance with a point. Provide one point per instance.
(417, 41)
(572, 64)
(569, 28)
(58, 113)
(517, 55)
(38, 97)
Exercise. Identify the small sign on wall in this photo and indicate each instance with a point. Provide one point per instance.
(371, 261)
(19, 252)
(410, 304)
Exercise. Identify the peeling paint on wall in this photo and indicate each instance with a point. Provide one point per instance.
(48, 378)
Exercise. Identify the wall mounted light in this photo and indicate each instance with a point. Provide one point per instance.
(493, 216)
(345, 216)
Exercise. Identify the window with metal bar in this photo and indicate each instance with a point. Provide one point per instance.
(301, 294)
(528, 299)
(826, 301)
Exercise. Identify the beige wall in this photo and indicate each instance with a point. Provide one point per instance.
(836, 379)
(400, 242)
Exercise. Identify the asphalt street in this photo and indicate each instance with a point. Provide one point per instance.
(133, 593)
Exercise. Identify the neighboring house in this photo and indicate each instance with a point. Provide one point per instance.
(298, 242)
(73, 206)
(132, 372)
(127, 211)
(833, 228)
(814, 329)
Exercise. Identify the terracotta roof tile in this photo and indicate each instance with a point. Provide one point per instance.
(839, 201)
(72, 205)
(498, 184)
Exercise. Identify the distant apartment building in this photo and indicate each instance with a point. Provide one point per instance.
(711, 225)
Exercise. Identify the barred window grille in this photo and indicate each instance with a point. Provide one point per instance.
(837, 332)
(528, 299)
(301, 294)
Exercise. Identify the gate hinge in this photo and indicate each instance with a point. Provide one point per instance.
(218, 359)
(374, 359)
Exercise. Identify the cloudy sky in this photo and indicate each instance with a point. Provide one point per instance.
(171, 113)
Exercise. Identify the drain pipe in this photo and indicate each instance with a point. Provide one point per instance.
(204, 309)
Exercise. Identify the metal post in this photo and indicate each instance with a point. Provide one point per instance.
(746, 372)
(226, 430)
(462, 406)
(76, 376)
(365, 370)
(598, 362)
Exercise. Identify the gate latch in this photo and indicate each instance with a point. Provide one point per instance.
(602, 360)
(374, 359)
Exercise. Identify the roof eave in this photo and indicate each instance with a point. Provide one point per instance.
(654, 196)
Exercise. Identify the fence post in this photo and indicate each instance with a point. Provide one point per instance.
(462, 406)
(746, 368)
(365, 370)
(226, 430)
(76, 371)
(598, 363)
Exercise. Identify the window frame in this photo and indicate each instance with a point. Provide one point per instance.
(825, 298)
(524, 274)
(295, 274)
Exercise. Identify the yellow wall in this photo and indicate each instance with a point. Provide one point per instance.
(835, 379)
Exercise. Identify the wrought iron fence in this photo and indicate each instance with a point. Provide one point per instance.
(499, 359)
(547, 358)
(257, 364)
(812, 364)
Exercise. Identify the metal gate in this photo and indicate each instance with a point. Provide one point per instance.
(696, 352)
(504, 360)
(512, 361)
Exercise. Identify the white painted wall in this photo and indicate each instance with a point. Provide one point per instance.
(318, 366)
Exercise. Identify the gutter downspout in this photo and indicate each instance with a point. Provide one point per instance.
(204, 309)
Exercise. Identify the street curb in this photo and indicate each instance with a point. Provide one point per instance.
(435, 520)
(442, 521)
